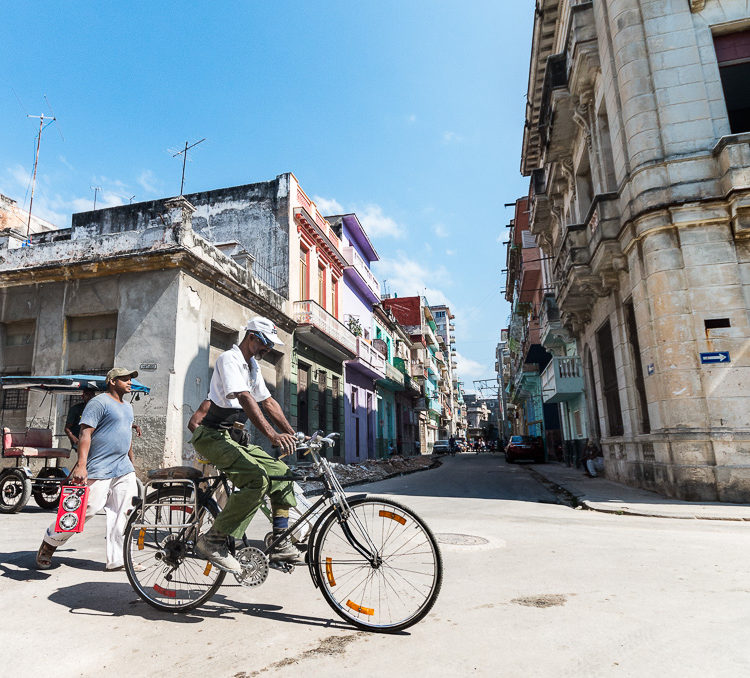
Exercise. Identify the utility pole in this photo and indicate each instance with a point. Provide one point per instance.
(183, 153)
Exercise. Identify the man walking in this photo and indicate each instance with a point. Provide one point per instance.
(105, 464)
(237, 388)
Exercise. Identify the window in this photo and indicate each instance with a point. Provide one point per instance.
(91, 343)
(608, 370)
(336, 404)
(14, 398)
(733, 56)
(354, 400)
(303, 282)
(17, 358)
(221, 339)
(322, 401)
(334, 310)
(645, 424)
(322, 286)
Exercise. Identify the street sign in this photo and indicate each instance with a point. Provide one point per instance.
(715, 357)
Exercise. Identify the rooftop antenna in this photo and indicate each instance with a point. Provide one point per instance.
(96, 189)
(183, 153)
(42, 119)
(130, 199)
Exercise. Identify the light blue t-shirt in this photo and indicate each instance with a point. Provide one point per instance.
(112, 422)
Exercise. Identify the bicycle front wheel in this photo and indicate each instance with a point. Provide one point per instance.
(403, 584)
(160, 559)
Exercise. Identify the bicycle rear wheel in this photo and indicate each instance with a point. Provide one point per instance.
(160, 559)
(401, 588)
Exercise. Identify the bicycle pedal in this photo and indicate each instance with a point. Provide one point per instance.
(282, 566)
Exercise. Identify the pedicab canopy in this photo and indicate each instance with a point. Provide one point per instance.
(64, 383)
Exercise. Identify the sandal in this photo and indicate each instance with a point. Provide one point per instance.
(44, 556)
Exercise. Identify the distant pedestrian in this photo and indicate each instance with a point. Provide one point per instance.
(105, 464)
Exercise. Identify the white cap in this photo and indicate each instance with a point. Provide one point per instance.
(265, 327)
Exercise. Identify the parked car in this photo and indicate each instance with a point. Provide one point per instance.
(524, 448)
(441, 447)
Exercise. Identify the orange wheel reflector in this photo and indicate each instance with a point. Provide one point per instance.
(141, 536)
(392, 516)
(359, 608)
(329, 572)
(165, 592)
(207, 571)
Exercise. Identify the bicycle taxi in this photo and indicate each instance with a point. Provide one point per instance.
(37, 442)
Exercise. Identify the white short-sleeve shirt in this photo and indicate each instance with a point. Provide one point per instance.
(232, 375)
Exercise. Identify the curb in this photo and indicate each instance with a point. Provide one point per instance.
(575, 500)
(435, 464)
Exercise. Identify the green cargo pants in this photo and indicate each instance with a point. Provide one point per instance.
(248, 468)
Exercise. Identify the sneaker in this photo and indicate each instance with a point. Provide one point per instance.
(216, 551)
(284, 551)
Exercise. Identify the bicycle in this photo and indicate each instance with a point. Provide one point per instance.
(376, 563)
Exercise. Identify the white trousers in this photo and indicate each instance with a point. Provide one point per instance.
(115, 496)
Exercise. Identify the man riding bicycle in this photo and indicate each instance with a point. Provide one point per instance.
(237, 388)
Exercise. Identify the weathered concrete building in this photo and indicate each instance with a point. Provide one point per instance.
(133, 286)
(636, 141)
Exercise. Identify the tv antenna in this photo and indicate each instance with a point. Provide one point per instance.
(48, 119)
(96, 189)
(183, 153)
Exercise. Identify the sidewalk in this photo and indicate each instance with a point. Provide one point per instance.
(600, 494)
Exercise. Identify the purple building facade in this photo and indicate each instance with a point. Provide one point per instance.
(360, 293)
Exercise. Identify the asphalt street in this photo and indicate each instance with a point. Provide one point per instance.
(531, 588)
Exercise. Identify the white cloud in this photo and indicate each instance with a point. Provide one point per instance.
(450, 253)
(148, 181)
(407, 278)
(471, 369)
(411, 119)
(440, 231)
(378, 224)
(328, 206)
(452, 138)
(375, 223)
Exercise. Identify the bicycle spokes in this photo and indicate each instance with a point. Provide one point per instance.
(395, 589)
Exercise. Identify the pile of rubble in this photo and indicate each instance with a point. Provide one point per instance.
(374, 469)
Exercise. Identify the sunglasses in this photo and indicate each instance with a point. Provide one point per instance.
(263, 339)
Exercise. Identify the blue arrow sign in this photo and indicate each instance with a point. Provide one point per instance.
(715, 357)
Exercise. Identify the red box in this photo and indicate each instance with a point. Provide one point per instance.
(71, 514)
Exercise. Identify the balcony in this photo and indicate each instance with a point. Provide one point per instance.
(417, 369)
(358, 272)
(368, 360)
(562, 379)
(320, 330)
(603, 227)
(433, 404)
(551, 330)
(393, 374)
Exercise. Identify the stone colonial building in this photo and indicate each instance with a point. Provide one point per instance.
(636, 144)
(132, 286)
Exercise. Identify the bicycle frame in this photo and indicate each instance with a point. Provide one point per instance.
(333, 494)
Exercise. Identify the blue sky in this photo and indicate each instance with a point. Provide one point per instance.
(409, 113)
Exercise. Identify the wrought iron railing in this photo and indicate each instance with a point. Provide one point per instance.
(310, 313)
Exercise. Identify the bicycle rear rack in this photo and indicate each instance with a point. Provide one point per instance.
(164, 499)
